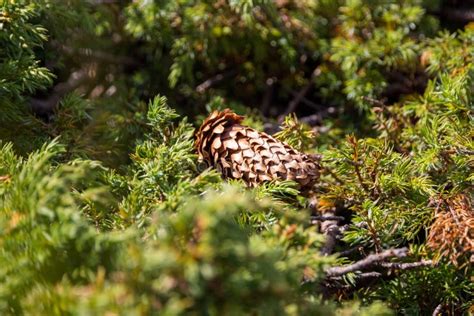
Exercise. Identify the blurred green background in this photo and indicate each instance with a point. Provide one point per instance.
(104, 211)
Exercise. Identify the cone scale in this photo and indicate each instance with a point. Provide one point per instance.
(240, 152)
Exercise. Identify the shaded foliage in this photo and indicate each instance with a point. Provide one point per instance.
(104, 207)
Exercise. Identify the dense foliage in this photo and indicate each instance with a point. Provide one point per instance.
(104, 208)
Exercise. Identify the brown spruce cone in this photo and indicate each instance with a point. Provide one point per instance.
(240, 152)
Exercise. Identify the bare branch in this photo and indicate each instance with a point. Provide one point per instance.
(307, 102)
(349, 251)
(333, 233)
(327, 218)
(407, 265)
(202, 87)
(367, 262)
(361, 276)
(438, 309)
(301, 94)
(373, 101)
(46, 106)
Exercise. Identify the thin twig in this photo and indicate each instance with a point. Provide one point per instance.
(355, 162)
(333, 233)
(361, 276)
(46, 106)
(349, 251)
(317, 118)
(333, 175)
(406, 265)
(297, 99)
(205, 85)
(335, 278)
(359, 178)
(437, 310)
(367, 262)
(307, 102)
(327, 218)
(301, 94)
(373, 101)
(373, 175)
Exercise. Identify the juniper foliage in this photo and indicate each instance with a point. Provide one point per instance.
(104, 207)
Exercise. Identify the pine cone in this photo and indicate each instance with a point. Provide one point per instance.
(240, 152)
